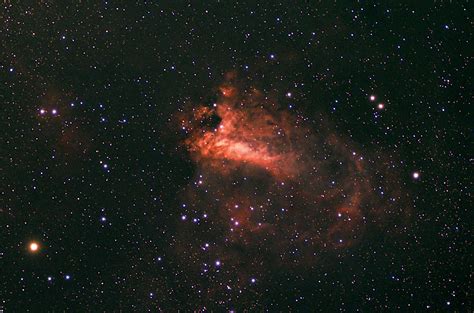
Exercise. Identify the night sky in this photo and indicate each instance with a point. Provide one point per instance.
(227, 156)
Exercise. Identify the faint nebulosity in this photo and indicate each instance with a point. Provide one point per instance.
(234, 156)
(280, 186)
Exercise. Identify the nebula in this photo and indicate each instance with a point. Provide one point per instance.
(246, 135)
(272, 189)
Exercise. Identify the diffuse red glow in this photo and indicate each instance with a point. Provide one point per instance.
(278, 192)
(247, 134)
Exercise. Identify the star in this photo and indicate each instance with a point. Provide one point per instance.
(33, 247)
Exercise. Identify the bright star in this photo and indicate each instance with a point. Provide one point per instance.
(34, 247)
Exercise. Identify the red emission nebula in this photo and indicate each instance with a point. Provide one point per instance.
(273, 190)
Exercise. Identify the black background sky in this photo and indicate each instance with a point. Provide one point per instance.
(98, 182)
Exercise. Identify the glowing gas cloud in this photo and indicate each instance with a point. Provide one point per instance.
(279, 190)
(246, 135)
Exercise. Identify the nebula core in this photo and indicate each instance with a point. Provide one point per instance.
(272, 190)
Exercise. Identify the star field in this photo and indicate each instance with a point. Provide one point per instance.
(236, 156)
